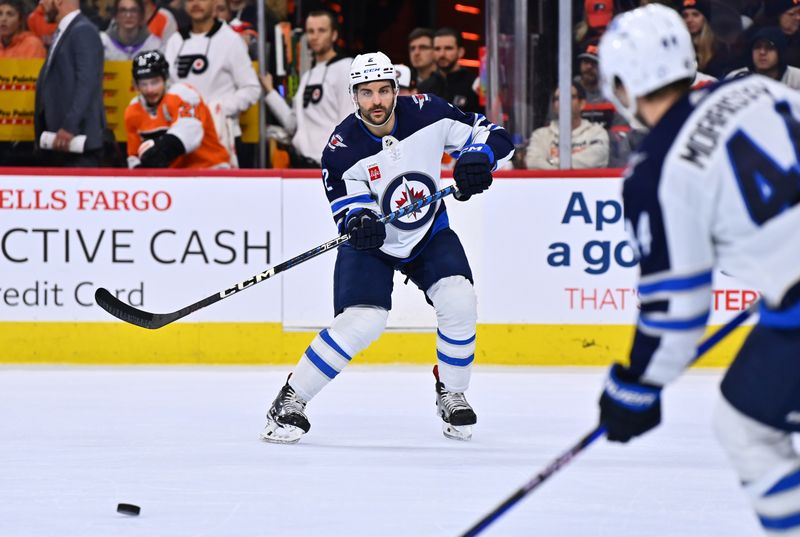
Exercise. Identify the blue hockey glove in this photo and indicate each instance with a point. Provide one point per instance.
(473, 171)
(366, 230)
(628, 408)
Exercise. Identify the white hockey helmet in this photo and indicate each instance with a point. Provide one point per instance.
(371, 67)
(645, 49)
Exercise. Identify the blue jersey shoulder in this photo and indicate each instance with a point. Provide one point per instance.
(415, 112)
(643, 178)
(349, 143)
(648, 161)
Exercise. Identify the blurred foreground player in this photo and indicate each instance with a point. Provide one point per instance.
(169, 125)
(378, 160)
(715, 184)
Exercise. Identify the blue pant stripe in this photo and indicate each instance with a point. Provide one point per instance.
(789, 482)
(326, 337)
(321, 364)
(461, 362)
(677, 324)
(455, 341)
(781, 523)
(684, 283)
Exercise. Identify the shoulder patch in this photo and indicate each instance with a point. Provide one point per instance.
(336, 141)
(420, 99)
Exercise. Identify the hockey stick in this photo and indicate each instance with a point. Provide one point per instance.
(566, 457)
(145, 319)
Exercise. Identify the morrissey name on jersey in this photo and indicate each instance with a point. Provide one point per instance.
(706, 132)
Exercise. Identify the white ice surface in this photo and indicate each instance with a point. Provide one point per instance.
(182, 443)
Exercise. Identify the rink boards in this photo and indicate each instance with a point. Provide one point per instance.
(554, 274)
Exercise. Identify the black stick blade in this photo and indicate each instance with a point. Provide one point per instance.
(125, 312)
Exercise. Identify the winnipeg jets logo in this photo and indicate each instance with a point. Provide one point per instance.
(408, 197)
(336, 141)
(404, 190)
(420, 99)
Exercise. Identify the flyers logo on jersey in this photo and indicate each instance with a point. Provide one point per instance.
(336, 141)
(420, 99)
(196, 63)
(374, 172)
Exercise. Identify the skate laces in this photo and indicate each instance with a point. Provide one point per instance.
(454, 401)
(290, 402)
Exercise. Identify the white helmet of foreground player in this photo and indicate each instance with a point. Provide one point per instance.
(371, 67)
(641, 51)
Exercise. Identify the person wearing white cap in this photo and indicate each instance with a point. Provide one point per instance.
(403, 74)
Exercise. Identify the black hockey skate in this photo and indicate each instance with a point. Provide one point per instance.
(286, 419)
(455, 411)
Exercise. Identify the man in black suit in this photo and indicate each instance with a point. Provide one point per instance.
(69, 90)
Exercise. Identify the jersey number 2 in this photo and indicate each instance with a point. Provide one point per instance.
(766, 187)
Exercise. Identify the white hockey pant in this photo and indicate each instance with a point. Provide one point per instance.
(768, 466)
(352, 331)
(457, 315)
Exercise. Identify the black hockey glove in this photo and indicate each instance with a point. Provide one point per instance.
(366, 230)
(166, 149)
(628, 408)
(473, 171)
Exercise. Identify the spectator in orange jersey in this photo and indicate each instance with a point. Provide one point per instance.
(169, 126)
(15, 42)
(37, 23)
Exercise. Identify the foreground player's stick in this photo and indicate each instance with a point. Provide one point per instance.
(596, 433)
(145, 319)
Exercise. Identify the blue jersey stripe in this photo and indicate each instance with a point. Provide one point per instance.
(455, 341)
(362, 198)
(326, 337)
(780, 523)
(676, 284)
(789, 482)
(681, 324)
(460, 362)
(321, 364)
(788, 318)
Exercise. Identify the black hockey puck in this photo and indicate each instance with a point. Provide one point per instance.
(128, 509)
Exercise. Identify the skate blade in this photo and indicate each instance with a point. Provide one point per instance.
(277, 434)
(457, 432)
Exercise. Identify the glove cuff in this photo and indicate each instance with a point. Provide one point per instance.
(479, 148)
(632, 395)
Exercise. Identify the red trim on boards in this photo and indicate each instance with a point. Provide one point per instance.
(275, 173)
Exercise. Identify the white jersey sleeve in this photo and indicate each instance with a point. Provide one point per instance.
(714, 185)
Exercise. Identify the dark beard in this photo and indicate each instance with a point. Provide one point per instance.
(449, 67)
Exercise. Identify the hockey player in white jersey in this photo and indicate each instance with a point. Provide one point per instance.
(377, 160)
(714, 185)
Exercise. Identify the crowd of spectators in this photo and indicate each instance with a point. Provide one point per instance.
(209, 44)
(732, 38)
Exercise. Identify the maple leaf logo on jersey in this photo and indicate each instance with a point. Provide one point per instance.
(421, 99)
(409, 195)
(336, 141)
(405, 190)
